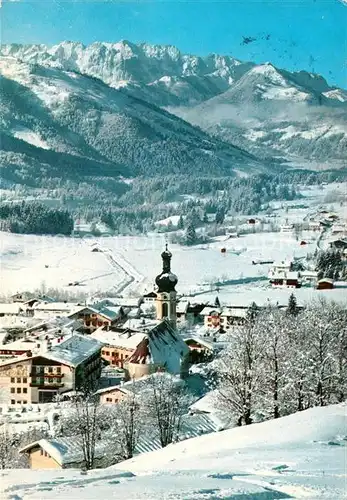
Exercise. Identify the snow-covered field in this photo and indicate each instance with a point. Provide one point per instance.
(299, 456)
(131, 263)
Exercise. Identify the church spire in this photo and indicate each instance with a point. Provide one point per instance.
(166, 280)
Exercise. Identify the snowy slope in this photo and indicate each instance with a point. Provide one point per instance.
(261, 108)
(62, 116)
(158, 73)
(299, 456)
(272, 111)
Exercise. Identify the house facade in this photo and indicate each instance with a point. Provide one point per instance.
(39, 378)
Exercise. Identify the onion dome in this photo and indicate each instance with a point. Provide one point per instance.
(166, 280)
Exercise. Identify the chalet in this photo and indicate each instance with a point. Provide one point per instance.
(200, 348)
(149, 298)
(45, 309)
(288, 280)
(37, 378)
(96, 317)
(211, 317)
(325, 284)
(224, 318)
(119, 344)
(114, 394)
(14, 309)
(67, 452)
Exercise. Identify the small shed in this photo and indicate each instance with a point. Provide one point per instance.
(325, 284)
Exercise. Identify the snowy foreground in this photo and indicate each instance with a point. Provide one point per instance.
(299, 456)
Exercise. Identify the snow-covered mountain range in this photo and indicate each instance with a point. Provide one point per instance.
(120, 107)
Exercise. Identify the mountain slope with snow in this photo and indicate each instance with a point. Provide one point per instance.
(263, 109)
(50, 117)
(299, 456)
(271, 111)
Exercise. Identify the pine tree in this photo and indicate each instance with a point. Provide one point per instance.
(216, 302)
(252, 312)
(190, 236)
(180, 223)
(292, 308)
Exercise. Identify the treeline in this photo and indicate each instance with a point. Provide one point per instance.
(280, 363)
(34, 218)
(331, 264)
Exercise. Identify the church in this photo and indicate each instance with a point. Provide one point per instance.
(141, 347)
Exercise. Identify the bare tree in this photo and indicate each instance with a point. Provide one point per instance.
(165, 401)
(125, 419)
(238, 373)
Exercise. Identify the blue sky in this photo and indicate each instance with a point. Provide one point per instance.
(301, 34)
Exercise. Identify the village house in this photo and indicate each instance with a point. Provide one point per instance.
(67, 452)
(291, 279)
(92, 318)
(38, 377)
(149, 298)
(119, 344)
(325, 284)
(113, 394)
(200, 348)
(45, 309)
(13, 309)
(224, 318)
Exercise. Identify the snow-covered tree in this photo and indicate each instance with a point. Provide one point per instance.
(292, 308)
(126, 424)
(190, 235)
(238, 373)
(165, 401)
(7, 449)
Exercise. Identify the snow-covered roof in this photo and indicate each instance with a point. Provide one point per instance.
(19, 345)
(182, 306)
(126, 339)
(55, 306)
(65, 450)
(140, 323)
(74, 350)
(235, 312)
(208, 310)
(162, 346)
(201, 340)
(14, 308)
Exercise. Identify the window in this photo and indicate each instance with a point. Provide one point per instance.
(165, 310)
(24, 402)
(18, 380)
(58, 369)
(107, 353)
(25, 380)
(12, 390)
(25, 390)
(13, 402)
(13, 380)
(50, 369)
(50, 380)
(19, 390)
(109, 400)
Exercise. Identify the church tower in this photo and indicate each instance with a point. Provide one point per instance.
(166, 293)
